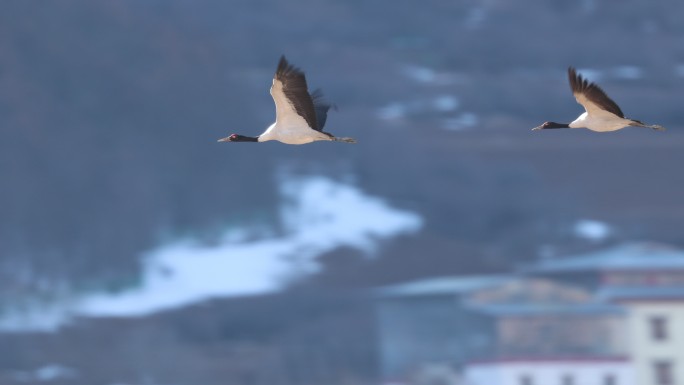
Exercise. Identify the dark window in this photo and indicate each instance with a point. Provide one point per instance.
(663, 373)
(609, 379)
(659, 328)
(568, 380)
(526, 380)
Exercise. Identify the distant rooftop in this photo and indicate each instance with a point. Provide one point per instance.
(629, 256)
(650, 293)
(443, 286)
(637, 256)
(546, 309)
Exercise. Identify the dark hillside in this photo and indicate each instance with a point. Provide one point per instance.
(110, 111)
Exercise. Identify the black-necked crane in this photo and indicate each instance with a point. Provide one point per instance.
(300, 115)
(602, 113)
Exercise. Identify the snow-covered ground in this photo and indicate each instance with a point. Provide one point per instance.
(319, 215)
(443, 104)
(460, 122)
(592, 229)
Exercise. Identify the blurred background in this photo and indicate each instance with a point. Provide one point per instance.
(134, 249)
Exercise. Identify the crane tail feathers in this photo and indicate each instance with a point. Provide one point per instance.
(345, 140)
(656, 127)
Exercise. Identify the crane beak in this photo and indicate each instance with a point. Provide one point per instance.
(226, 139)
(538, 128)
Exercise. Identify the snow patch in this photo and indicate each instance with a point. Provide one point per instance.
(394, 111)
(319, 215)
(627, 72)
(37, 315)
(445, 103)
(45, 373)
(461, 122)
(624, 72)
(401, 110)
(420, 74)
(592, 229)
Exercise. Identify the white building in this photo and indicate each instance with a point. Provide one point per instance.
(656, 329)
(549, 371)
(647, 280)
(612, 317)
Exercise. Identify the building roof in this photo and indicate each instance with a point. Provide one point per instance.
(645, 293)
(534, 296)
(583, 359)
(443, 286)
(636, 256)
(630, 256)
(528, 309)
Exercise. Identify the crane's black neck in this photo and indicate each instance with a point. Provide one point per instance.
(556, 125)
(242, 138)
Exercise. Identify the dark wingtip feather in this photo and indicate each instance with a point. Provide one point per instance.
(576, 81)
(285, 68)
(321, 106)
(593, 92)
(282, 64)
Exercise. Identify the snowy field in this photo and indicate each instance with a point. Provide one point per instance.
(319, 215)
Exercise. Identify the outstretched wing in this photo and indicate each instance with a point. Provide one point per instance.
(294, 105)
(591, 96)
(321, 107)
